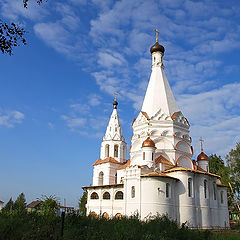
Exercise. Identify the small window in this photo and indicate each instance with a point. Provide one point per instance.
(133, 192)
(167, 190)
(221, 197)
(115, 150)
(152, 155)
(106, 150)
(207, 168)
(205, 188)
(94, 195)
(214, 191)
(189, 187)
(106, 195)
(143, 155)
(119, 195)
(115, 129)
(116, 178)
(100, 179)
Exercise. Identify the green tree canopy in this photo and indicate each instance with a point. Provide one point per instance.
(82, 203)
(217, 166)
(233, 162)
(49, 205)
(9, 206)
(19, 205)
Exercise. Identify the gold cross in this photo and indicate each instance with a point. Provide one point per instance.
(201, 141)
(115, 94)
(157, 32)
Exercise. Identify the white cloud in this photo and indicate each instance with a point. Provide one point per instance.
(109, 58)
(10, 118)
(94, 99)
(74, 122)
(215, 116)
(55, 36)
(13, 9)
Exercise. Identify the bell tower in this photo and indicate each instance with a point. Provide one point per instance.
(113, 143)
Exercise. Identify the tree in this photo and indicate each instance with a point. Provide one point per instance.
(19, 205)
(217, 166)
(8, 207)
(11, 34)
(49, 205)
(233, 162)
(82, 203)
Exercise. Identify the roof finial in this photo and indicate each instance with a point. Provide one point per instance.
(201, 142)
(157, 32)
(115, 103)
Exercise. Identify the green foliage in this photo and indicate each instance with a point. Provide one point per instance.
(8, 207)
(35, 226)
(82, 203)
(49, 205)
(233, 162)
(19, 205)
(217, 166)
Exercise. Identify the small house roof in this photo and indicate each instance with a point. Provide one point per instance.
(34, 204)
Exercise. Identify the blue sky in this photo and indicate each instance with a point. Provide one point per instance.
(56, 93)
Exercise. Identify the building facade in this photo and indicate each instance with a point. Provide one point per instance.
(160, 177)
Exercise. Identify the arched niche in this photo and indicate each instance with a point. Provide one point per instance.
(118, 216)
(185, 162)
(105, 215)
(183, 147)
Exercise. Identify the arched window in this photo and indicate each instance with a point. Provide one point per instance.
(106, 195)
(214, 191)
(106, 150)
(133, 192)
(100, 179)
(190, 187)
(115, 150)
(94, 195)
(152, 155)
(167, 190)
(143, 155)
(119, 195)
(221, 197)
(205, 188)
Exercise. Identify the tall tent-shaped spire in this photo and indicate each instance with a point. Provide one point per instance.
(113, 143)
(159, 94)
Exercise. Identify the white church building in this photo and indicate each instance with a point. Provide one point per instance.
(160, 177)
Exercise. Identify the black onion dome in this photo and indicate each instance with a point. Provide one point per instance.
(115, 103)
(157, 48)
